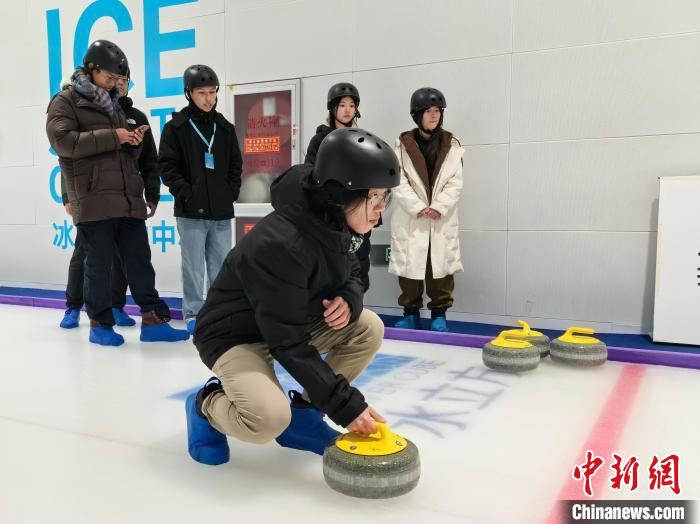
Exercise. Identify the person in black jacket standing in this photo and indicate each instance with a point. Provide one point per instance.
(343, 104)
(86, 126)
(201, 165)
(148, 159)
(290, 291)
(147, 164)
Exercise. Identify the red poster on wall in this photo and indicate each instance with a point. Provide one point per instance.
(265, 132)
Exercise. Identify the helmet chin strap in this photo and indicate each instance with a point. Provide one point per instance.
(349, 124)
(431, 131)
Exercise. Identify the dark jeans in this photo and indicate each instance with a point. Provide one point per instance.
(99, 240)
(76, 279)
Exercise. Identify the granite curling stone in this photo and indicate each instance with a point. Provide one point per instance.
(511, 353)
(378, 466)
(537, 339)
(579, 350)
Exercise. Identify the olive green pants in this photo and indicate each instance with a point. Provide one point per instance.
(439, 290)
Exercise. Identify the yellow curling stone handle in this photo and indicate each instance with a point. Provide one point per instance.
(525, 330)
(383, 442)
(512, 339)
(571, 338)
(525, 326)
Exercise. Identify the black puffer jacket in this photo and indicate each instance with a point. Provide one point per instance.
(363, 254)
(271, 287)
(200, 192)
(148, 159)
(311, 152)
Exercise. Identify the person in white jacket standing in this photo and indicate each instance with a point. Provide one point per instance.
(425, 223)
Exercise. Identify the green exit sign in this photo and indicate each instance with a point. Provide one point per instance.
(380, 254)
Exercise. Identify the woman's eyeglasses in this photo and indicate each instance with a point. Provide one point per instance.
(114, 78)
(378, 199)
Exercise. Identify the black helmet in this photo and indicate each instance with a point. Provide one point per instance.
(103, 54)
(199, 75)
(340, 90)
(356, 159)
(426, 97)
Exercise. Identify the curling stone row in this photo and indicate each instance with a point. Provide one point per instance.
(517, 350)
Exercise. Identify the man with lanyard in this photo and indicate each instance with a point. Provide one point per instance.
(201, 164)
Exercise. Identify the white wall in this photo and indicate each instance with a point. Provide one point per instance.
(569, 112)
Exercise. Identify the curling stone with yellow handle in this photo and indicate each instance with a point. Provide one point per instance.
(577, 349)
(511, 353)
(378, 466)
(537, 339)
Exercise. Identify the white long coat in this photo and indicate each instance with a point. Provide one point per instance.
(411, 237)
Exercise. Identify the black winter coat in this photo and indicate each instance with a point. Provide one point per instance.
(363, 253)
(271, 288)
(311, 151)
(200, 192)
(148, 159)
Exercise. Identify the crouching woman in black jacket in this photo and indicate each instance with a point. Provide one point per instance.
(290, 291)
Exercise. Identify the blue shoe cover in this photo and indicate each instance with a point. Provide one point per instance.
(409, 322)
(191, 324)
(307, 431)
(439, 324)
(121, 318)
(71, 319)
(105, 336)
(205, 444)
(163, 333)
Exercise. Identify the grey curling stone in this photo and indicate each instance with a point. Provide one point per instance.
(542, 343)
(580, 355)
(522, 357)
(533, 337)
(372, 476)
(511, 360)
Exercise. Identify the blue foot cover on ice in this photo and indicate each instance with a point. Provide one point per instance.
(105, 336)
(439, 324)
(307, 431)
(409, 322)
(121, 318)
(163, 333)
(191, 325)
(71, 319)
(205, 444)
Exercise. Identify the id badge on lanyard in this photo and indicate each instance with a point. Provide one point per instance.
(208, 156)
(209, 160)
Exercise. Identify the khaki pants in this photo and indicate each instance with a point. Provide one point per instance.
(252, 406)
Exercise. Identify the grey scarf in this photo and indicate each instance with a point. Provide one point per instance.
(355, 242)
(95, 94)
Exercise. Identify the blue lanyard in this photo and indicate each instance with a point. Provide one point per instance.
(208, 144)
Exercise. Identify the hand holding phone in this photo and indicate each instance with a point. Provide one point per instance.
(139, 132)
